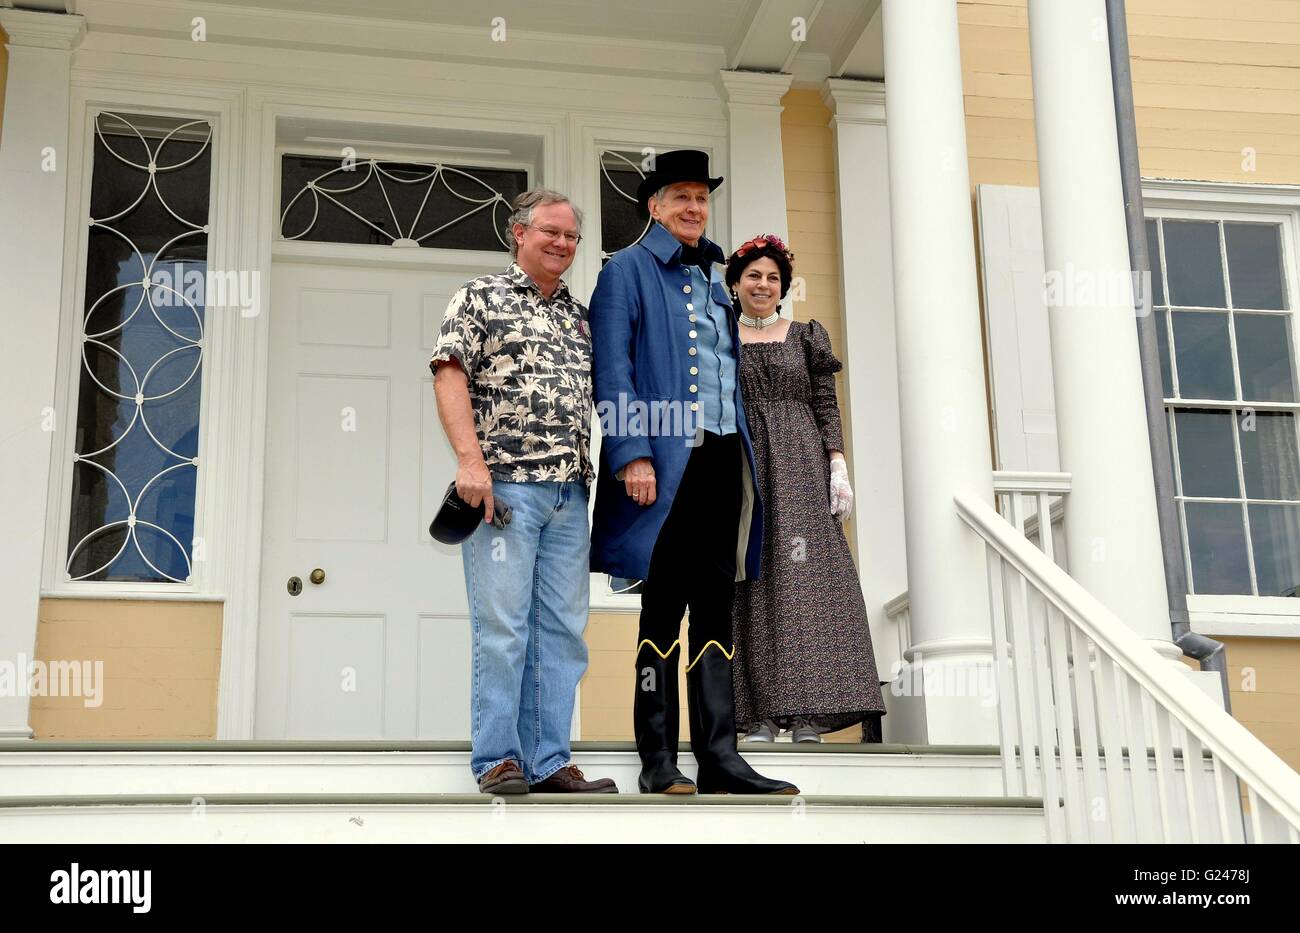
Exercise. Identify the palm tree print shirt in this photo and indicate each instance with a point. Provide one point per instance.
(528, 359)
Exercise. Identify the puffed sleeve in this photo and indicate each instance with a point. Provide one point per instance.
(822, 367)
(462, 333)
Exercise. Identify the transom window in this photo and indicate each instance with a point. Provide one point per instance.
(623, 222)
(1227, 352)
(430, 204)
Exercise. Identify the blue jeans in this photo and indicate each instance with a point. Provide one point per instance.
(528, 602)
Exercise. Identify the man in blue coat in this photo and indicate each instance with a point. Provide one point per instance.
(677, 503)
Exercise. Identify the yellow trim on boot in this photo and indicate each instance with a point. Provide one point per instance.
(725, 653)
(662, 654)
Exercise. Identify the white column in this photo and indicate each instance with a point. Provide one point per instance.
(31, 273)
(866, 282)
(756, 177)
(1112, 537)
(942, 403)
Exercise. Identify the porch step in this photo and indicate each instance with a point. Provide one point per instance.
(56, 768)
(530, 818)
(382, 791)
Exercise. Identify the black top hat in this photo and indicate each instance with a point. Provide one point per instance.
(672, 167)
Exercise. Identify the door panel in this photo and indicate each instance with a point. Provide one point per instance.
(356, 463)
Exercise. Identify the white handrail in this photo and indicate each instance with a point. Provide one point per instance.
(1138, 695)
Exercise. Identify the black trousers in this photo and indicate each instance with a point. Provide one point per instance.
(693, 563)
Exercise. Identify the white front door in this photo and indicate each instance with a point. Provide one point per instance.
(356, 463)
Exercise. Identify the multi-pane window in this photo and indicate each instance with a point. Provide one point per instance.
(136, 449)
(1223, 303)
(622, 220)
(431, 204)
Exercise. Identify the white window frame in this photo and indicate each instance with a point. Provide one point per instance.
(220, 109)
(1238, 615)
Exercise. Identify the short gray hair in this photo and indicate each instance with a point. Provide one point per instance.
(662, 192)
(525, 204)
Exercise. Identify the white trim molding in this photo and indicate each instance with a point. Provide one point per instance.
(1230, 192)
(35, 165)
(30, 29)
(861, 150)
(1245, 616)
(753, 102)
(854, 102)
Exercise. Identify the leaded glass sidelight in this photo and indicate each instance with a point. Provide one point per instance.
(623, 222)
(1224, 321)
(136, 451)
(402, 204)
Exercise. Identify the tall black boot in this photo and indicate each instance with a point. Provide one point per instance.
(712, 710)
(656, 717)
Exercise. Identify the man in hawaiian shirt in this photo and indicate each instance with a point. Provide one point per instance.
(513, 382)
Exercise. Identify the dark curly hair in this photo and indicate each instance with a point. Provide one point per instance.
(767, 246)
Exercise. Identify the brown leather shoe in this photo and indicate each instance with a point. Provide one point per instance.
(569, 780)
(505, 778)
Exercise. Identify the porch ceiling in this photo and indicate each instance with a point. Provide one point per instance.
(842, 36)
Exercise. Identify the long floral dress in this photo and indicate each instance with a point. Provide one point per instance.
(803, 649)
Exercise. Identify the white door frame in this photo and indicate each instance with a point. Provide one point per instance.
(236, 706)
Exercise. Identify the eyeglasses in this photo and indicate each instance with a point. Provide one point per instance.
(554, 233)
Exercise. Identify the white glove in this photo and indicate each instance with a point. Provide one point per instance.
(841, 491)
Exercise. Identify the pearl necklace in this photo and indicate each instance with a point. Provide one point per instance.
(760, 323)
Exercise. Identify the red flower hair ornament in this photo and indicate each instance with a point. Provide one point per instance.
(767, 239)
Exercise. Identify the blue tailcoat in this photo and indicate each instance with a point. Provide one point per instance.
(640, 344)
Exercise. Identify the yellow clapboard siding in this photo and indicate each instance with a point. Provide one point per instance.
(1165, 48)
(1164, 163)
(1268, 11)
(1265, 707)
(1228, 29)
(1196, 139)
(977, 60)
(805, 115)
(1018, 148)
(799, 157)
(986, 13)
(1014, 107)
(810, 181)
(997, 85)
(1197, 97)
(819, 241)
(161, 661)
(978, 37)
(1212, 121)
(1003, 172)
(814, 201)
(999, 127)
(1213, 74)
(1263, 652)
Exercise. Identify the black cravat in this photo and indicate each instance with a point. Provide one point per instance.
(694, 256)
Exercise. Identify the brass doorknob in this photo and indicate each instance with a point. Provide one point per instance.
(318, 576)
